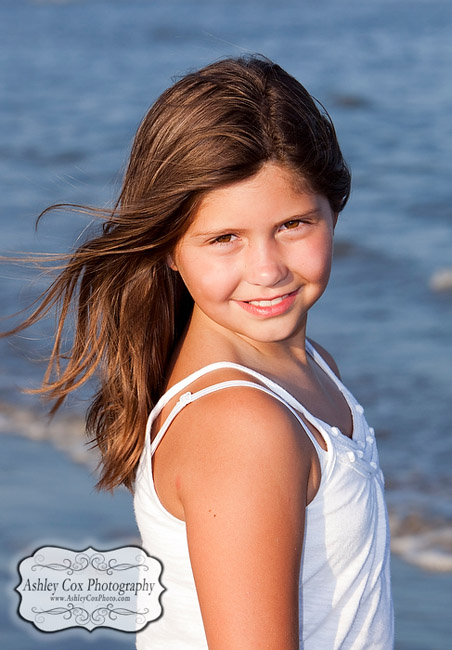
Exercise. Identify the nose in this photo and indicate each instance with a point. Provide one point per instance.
(264, 265)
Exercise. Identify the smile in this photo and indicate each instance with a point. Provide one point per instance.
(269, 308)
(268, 303)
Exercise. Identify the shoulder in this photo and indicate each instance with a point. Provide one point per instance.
(326, 356)
(239, 436)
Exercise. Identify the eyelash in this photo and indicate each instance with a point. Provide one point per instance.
(217, 241)
(297, 221)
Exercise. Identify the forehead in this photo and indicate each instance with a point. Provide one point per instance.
(271, 173)
(273, 189)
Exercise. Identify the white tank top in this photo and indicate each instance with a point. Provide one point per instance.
(345, 594)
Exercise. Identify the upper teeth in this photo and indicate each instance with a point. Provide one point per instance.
(268, 303)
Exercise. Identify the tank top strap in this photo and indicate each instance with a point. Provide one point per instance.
(320, 361)
(189, 397)
(272, 385)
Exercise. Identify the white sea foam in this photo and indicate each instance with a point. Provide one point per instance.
(430, 550)
(441, 280)
(66, 432)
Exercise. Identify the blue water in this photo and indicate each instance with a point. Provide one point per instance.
(60, 509)
(77, 76)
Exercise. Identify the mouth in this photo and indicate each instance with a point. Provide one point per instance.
(269, 303)
(273, 307)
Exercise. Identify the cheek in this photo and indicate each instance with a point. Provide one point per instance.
(315, 261)
(207, 281)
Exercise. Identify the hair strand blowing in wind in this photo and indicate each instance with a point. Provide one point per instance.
(213, 127)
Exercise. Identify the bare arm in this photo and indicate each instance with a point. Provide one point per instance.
(243, 488)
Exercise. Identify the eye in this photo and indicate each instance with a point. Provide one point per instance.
(292, 224)
(223, 239)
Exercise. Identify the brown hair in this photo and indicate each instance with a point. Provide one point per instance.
(213, 127)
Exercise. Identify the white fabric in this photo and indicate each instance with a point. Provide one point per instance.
(345, 595)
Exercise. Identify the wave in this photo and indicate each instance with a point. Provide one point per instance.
(66, 432)
(426, 544)
(441, 280)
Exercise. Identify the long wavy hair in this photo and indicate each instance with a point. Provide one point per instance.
(213, 127)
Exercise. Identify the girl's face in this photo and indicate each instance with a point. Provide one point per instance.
(257, 255)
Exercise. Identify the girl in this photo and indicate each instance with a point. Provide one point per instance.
(256, 480)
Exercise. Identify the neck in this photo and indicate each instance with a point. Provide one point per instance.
(219, 343)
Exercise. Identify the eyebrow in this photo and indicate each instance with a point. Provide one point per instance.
(222, 231)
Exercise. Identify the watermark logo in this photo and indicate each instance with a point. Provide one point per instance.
(61, 588)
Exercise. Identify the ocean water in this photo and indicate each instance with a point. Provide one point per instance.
(76, 78)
